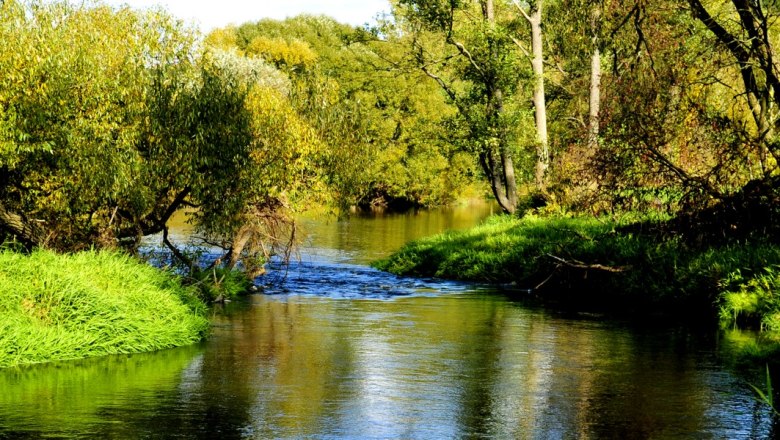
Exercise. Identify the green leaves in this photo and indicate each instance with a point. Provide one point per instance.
(111, 119)
(767, 397)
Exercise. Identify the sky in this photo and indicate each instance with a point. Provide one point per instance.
(210, 14)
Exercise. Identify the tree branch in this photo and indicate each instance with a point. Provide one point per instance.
(520, 45)
(27, 231)
(522, 11)
(176, 252)
(575, 264)
(463, 51)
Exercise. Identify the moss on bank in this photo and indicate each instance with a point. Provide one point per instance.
(57, 307)
(598, 263)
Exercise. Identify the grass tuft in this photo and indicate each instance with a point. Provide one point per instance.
(59, 307)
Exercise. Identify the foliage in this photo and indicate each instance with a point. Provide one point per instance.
(115, 119)
(58, 307)
(217, 284)
(468, 50)
(380, 124)
(766, 397)
(674, 120)
(750, 297)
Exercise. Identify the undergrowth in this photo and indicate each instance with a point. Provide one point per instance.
(57, 307)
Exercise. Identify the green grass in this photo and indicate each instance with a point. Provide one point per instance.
(752, 295)
(58, 307)
(567, 258)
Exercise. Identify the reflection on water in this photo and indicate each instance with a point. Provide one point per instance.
(347, 352)
(364, 238)
(461, 365)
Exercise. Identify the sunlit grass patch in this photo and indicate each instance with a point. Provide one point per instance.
(56, 307)
(590, 261)
(752, 297)
(501, 249)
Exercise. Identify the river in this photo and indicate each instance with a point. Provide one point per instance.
(335, 349)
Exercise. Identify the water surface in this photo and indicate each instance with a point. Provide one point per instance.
(340, 350)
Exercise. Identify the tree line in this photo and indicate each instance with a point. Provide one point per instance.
(113, 119)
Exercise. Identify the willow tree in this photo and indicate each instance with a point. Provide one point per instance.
(112, 120)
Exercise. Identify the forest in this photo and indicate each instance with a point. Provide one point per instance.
(639, 133)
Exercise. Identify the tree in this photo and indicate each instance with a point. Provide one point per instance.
(746, 33)
(674, 132)
(112, 120)
(380, 123)
(534, 18)
(465, 48)
(594, 101)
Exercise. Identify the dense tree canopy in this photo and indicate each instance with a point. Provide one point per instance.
(113, 119)
(367, 104)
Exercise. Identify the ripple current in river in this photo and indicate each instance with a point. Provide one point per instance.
(318, 276)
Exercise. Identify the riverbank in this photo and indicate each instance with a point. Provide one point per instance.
(598, 263)
(59, 307)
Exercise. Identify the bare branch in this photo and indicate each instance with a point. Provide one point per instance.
(462, 49)
(520, 45)
(522, 11)
(575, 264)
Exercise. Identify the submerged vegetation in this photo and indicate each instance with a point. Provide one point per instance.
(57, 307)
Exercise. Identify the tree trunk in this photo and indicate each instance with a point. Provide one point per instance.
(540, 106)
(501, 171)
(239, 243)
(595, 82)
(498, 168)
(28, 232)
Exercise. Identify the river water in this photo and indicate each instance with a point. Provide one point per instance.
(338, 350)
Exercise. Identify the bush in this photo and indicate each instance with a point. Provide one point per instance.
(751, 298)
(219, 284)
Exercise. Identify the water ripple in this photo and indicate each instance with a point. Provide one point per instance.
(320, 277)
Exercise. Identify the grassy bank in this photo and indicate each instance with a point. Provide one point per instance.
(57, 307)
(595, 262)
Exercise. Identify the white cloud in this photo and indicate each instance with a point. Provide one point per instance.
(209, 14)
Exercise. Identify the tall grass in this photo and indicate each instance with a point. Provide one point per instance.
(752, 296)
(57, 307)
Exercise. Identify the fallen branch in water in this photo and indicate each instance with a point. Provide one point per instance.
(576, 264)
(580, 265)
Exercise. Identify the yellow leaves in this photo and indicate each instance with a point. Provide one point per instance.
(283, 143)
(277, 127)
(292, 54)
(224, 39)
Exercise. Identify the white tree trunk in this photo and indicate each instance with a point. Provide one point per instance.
(540, 106)
(595, 83)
